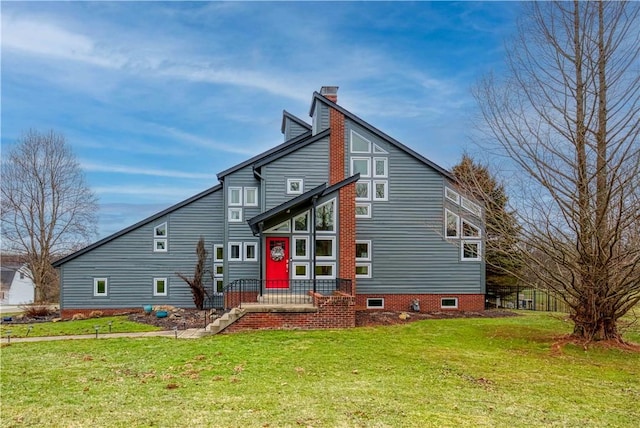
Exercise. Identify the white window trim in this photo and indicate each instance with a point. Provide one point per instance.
(379, 150)
(375, 298)
(230, 253)
(275, 228)
(295, 180)
(446, 215)
(160, 250)
(333, 271)
(351, 142)
(368, 258)
(368, 215)
(469, 241)
(452, 198)
(308, 214)
(333, 247)
(166, 230)
(385, 174)
(368, 274)
(335, 207)
(255, 252)
(155, 286)
(294, 247)
(215, 253)
(478, 236)
(473, 208)
(374, 194)
(360, 158)
(293, 272)
(95, 287)
(235, 220)
(368, 184)
(215, 270)
(215, 284)
(230, 202)
(246, 193)
(449, 307)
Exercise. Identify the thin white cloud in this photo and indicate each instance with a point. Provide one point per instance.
(206, 143)
(122, 169)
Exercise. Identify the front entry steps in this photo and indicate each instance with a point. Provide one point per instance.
(284, 299)
(224, 321)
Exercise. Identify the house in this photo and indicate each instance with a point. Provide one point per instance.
(341, 216)
(16, 285)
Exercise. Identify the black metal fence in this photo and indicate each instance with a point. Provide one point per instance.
(518, 297)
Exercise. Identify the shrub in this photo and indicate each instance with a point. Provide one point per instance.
(35, 310)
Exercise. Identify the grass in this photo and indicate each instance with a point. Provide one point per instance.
(441, 373)
(119, 324)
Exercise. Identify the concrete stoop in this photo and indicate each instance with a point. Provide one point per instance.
(276, 298)
(224, 321)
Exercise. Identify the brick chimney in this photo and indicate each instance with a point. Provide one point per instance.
(330, 93)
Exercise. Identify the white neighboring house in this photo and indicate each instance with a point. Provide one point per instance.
(17, 286)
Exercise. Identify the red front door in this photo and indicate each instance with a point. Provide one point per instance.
(277, 262)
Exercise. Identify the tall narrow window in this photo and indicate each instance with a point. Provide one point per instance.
(301, 223)
(380, 192)
(325, 217)
(235, 251)
(452, 224)
(218, 253)
(250, 251)
(380, 167)
(300, 247)
(159, 286)
(235, 196)
(100, 286)
(251, 196)
(160, 233)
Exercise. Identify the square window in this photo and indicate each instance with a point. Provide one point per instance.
(359, 144)
(361, 165)
(235, 215)
(449, 303)
(363, 250)
(251, 251)
(295, 186)
(218, 269)
(470, 250)
(300, 247)
(363, 190)
(160, 245)
(235, 251)
(363, 210)
(100, 286)
(301, 270)
(363, 270)
(218, 253)
(160, 230)
(235, 196)
(380, 167)
(452, 224)
(325, 248)
(380, 190)
(469, 230)
(251, 196)
(325, 217)
(375, 303)
(159, 286)
(452, 195)
(325, 270)
(301, 223)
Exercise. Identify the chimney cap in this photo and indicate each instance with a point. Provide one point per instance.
(329, 90)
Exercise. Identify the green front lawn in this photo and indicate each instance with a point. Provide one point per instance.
(119, 324)
(455, 372)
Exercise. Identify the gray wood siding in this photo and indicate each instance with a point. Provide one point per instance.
(409, 252)
(130, 264)
(292, 129)
(321, 117)
(311, 163)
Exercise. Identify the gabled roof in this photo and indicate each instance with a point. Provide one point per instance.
(287, 115)
(379, 133)
(147, 220)
(298, 202)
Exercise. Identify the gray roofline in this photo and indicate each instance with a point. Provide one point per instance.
(286, 114)
(379, 133)
(292, 148)
(141, 223)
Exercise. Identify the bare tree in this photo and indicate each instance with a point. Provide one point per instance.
(47, 208)
(196, 284)
(568, 116)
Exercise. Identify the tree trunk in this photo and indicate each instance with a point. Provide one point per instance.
(595, 324)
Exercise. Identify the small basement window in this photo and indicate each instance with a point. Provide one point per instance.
(375, 303)
(449, 303)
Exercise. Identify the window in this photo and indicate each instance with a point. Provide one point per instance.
(100, 286)
(361, 165)
(218, 269)
(449, 303)
(235, 196)
(159, 286)
(363, 250)
(301, 270)
(301, 223)
(375, 303)
(363, 190)
(378, 149)
(470, 206)
(251, 251)
(325, 248)
(451, 195)
(380, 190)
(359, 144)
(235, 251)
(251, 196)
(295, 186)
(325, 217)
(218, 253)
(300, 247)
(160, 245)
(469, 230)
(363, 270)
(219, 286)
(235, 215)
(282, 227)
(325, 270)
(451, 224)
(160, 231)
(380, 167)
(470, 250)
(363, 210)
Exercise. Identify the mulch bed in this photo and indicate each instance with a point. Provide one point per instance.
(374, 318)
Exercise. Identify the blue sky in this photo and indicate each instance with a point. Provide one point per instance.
(156, 98)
